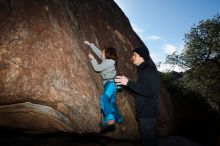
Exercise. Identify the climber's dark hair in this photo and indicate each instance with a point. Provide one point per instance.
(110, 53)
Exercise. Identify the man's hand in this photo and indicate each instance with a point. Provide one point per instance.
(91, 57)
(121, 80)
(87, 43)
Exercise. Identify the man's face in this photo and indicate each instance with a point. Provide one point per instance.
(136, 59)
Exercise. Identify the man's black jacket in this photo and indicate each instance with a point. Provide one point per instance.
(146, 91)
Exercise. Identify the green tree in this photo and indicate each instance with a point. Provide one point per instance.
(201, 59)
(202, 45)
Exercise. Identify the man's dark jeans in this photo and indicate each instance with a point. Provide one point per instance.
(148, 131)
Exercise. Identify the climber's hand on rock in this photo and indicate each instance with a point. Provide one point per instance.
(91, 57)
(87, 43)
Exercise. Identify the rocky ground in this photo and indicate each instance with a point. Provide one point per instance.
(12, 138)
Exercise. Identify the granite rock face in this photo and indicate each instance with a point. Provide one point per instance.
(47, 83)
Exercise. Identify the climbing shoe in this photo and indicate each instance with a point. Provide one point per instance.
(106, 124)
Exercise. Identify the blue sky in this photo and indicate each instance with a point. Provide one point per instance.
(161, 24)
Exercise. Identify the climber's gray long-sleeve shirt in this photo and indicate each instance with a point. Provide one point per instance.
(106, 67)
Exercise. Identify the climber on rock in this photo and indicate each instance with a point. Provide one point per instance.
(107, 69)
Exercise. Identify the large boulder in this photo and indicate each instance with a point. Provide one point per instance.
(47, 83)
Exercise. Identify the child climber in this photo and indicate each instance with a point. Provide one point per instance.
(107, 69)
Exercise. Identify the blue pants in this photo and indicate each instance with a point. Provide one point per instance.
(108, 103)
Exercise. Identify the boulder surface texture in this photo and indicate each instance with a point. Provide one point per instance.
(47, 83)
